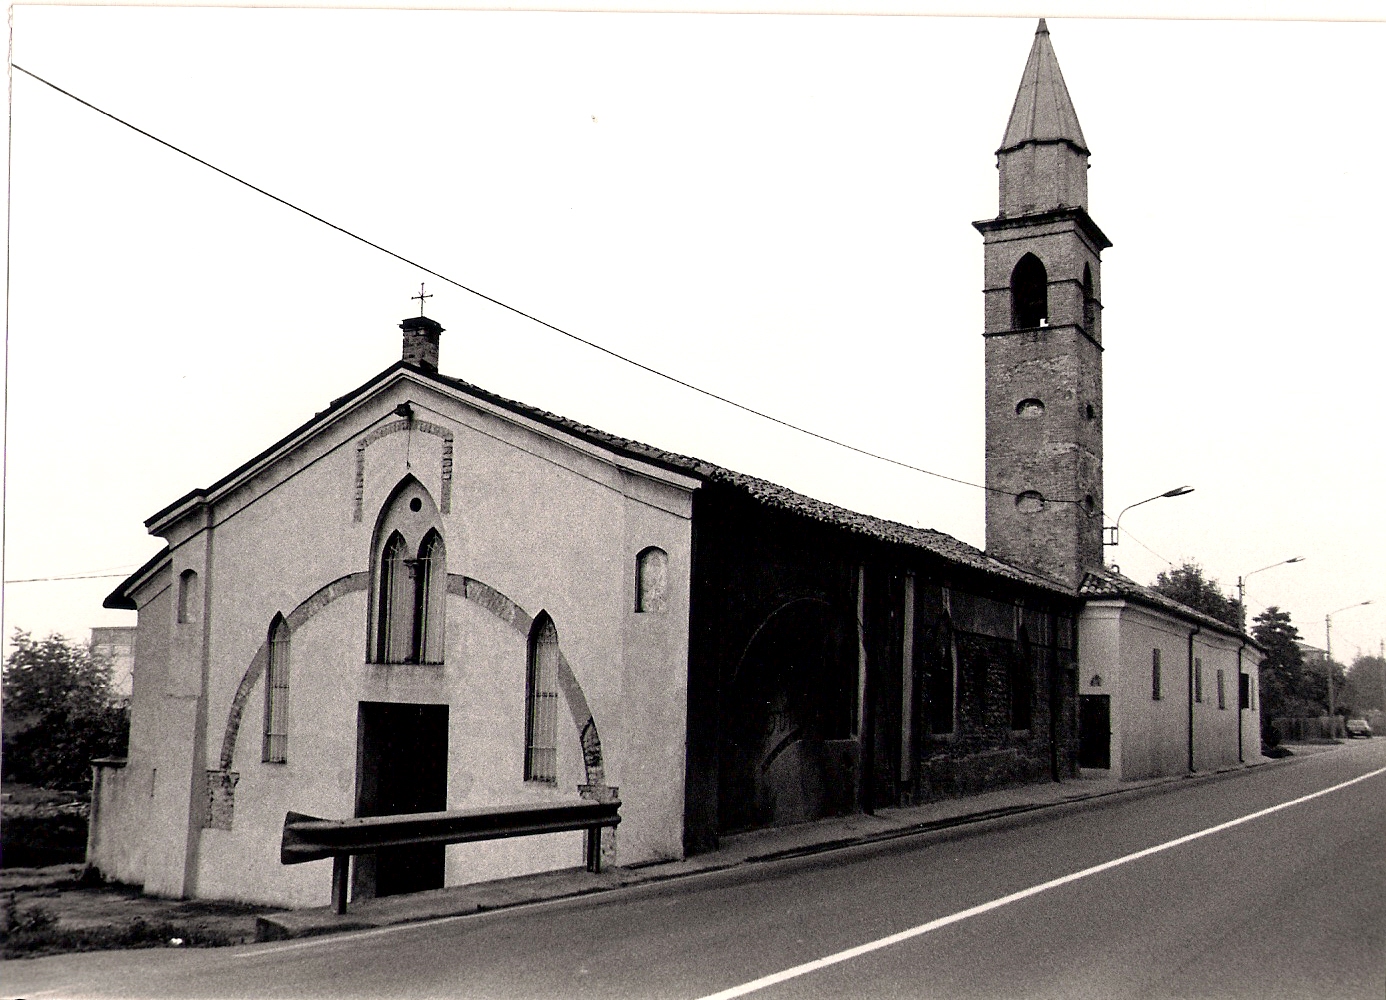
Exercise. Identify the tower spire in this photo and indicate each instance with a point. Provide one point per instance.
(1043, 111)
(1043, 157)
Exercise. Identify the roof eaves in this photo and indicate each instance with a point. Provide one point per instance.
(120, 599)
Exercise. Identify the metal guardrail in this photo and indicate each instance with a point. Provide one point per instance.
(309, 838)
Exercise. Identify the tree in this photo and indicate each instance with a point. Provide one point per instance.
(1365, 685)
(60, 712)
(1187, 585)
(1288, 688)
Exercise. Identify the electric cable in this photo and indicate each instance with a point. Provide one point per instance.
(519, 312)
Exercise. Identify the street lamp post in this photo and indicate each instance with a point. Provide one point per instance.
(1241, 589)
(1115, 530)
(1328, 647)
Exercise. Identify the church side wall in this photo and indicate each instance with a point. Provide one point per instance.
(1156, 732)
(777, 730)
(1216, 719)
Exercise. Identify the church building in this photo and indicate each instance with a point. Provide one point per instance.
(429, 597)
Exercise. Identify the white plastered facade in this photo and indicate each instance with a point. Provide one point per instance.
(533, 518)
(1150, 734)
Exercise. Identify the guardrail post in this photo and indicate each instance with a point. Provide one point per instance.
(340, 866)
(594, 848)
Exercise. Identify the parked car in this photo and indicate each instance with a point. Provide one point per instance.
(1358, 728)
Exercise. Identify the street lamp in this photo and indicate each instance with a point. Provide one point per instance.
(1241, 590)
(1114, 532)
(1328, 647)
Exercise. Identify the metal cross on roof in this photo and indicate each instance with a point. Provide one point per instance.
(421, 297)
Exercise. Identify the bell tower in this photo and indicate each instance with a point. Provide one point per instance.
(1043, 337)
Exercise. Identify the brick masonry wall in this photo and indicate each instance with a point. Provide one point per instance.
(1052, 446)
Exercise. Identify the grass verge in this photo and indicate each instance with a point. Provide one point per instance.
(35, 931)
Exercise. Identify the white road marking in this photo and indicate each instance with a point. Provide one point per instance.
(961, 915)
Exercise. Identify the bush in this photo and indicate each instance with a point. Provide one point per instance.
(34, 839)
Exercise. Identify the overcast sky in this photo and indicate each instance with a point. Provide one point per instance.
(776, 208)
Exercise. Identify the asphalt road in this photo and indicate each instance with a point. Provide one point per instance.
(1290, 903)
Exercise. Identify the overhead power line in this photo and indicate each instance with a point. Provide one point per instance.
(519, 312)
(79, 576)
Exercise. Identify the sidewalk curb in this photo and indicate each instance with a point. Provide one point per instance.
(318, 921)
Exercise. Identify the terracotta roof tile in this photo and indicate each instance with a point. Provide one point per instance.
(1106, 583)
(779, 497)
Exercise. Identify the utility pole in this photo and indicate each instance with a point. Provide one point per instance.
(1328, 658)
(1328, 647)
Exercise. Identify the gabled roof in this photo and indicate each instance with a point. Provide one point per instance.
(768, 494)
(1105, 583)
(1043, 111)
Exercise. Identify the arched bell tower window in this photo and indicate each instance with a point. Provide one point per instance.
(541, 702)
(408, 578)
(1029, 294)
(1089, 302)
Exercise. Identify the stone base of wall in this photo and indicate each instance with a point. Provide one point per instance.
(950, 775)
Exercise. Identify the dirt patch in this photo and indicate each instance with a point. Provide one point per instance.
(60, 909)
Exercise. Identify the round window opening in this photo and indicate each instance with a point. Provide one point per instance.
(1029, 502)
(416, 505)
(1030, 409)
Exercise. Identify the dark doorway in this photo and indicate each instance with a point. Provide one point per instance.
(401, 767)
(1095, 730)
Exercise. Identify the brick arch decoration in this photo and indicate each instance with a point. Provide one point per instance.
(394, 427)
(221, 783)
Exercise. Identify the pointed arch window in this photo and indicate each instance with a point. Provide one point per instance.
(1029, 294)
(276, 743)
(409, 563)
(396, 615)
(541, 703)
(430, 579)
